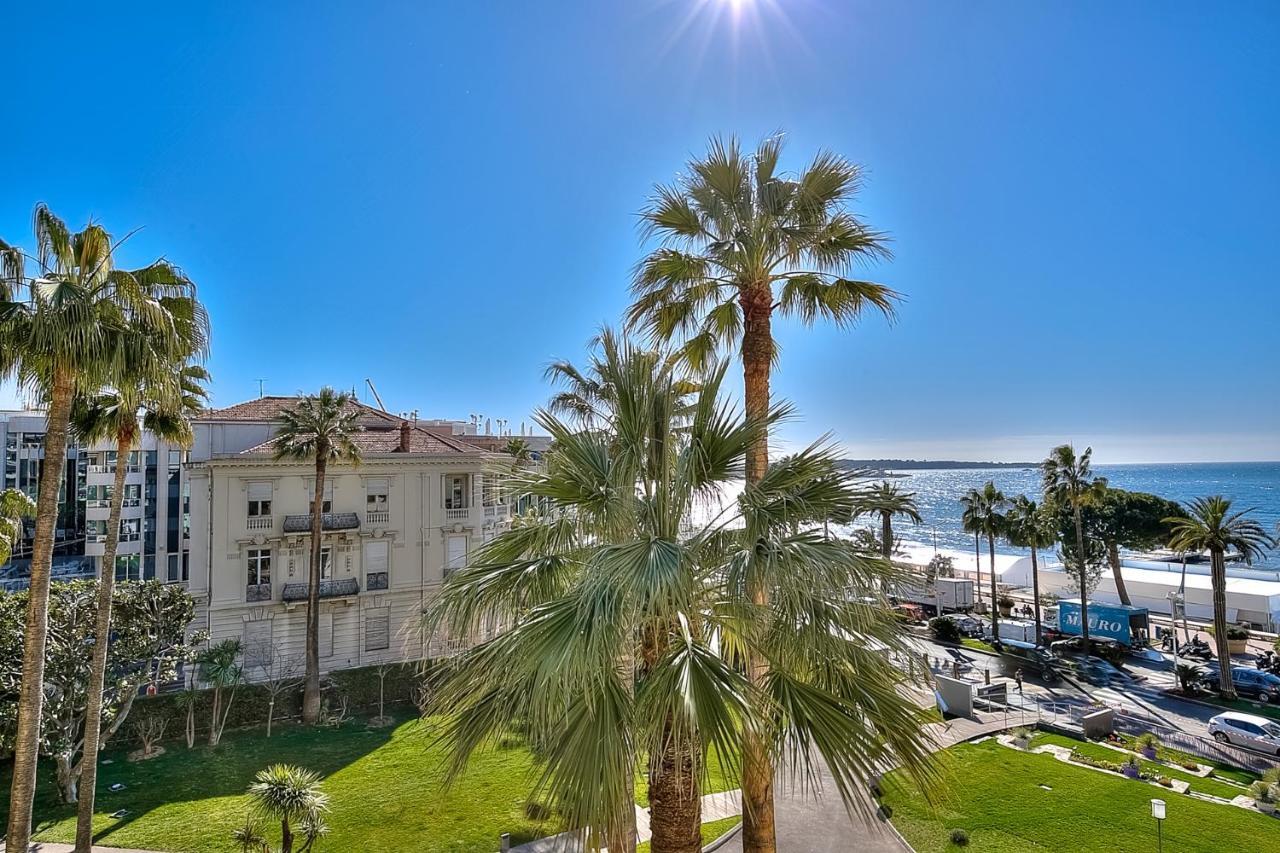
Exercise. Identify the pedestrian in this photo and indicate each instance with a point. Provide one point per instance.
(1017, 676)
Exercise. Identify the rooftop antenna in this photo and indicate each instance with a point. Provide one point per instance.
(260, 381)
(369, 382)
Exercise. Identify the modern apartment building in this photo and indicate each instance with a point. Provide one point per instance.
(414, 508)
(153, 523)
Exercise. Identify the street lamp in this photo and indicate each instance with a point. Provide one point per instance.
(1157, 812)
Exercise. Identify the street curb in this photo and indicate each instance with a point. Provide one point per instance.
(724, 839)
(1223, 708)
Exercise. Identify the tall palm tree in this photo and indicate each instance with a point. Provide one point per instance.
(70, 328)
(636, 622)
(14, 507)
(984, 514)
(970, 522)
(319, 428)
(1068, 480)
(1027, 526)
(887, 500)
(741, 241)
(1212, 526)
(158, 400)
(293, 797)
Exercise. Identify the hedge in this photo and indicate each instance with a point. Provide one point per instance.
(359, 686)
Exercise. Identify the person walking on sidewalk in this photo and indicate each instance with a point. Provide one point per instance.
(1017, 676)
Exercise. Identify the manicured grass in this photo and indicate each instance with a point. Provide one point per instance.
(996, 797)
(980, 645)
(1200, 784)
(710, 832)
(385, 788)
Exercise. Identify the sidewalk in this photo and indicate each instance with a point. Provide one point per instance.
(53, 847)
(714, 807)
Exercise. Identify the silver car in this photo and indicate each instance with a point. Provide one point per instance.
(1248, 730)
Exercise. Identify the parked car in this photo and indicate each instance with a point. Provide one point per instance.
(970, 626)
(1264, 686)
(1248, 730)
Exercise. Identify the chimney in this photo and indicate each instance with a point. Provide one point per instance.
(404, 437)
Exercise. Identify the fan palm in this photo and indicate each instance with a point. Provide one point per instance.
(292, 796)
(1068, 480)
(635, 623)
(971, 502)
(984, 514)
(14, 507)
(887, 500)
(1027, 526)
(320, 428)
(158, 400)
(743, 241)
(1211, 526)
(72, 328)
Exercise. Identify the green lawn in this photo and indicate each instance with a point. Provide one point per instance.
(980, 645)
(384, 787)
(710, 832)
(996, 797)
(1204, 785)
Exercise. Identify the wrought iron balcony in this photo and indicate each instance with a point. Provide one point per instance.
(375, 580)
(328, 521)
(328, 589)
(257, 592)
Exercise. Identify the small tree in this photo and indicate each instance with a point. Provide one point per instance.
(278, 676)
(291, 796)
(188, 699)
(220, 668)
(150, 731)
(941, 566)
(382, 672)
(1188, 674)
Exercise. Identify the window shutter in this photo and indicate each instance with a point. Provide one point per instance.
(457, 553)
(377, 628)
(375, 556)
(326, 635)
(376, 486)
(259, 491)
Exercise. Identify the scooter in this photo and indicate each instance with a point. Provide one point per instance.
(1197, 648)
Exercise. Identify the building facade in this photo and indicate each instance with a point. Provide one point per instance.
(154, 516)
(413, 509)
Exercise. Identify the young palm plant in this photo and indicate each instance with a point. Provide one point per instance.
(1211, 526)
(634, 620)
(984, 513)
(293, 797)
(1028, 526)
(14, 507)
(743, 241)
(161, 401)
(71, 328)
(887, 500)
(1069, 481)
(320, 429)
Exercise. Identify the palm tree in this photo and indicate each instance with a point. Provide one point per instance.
(320, 428)
(160, 401)
(984, 514)
(14, 507)
(292, 796)
(635, 619)
(887, 500)
(741, 241)
(71, 328)
(1212, 526)
(1068, 480)
(1029, 527)
(971, 501)
(518, 449)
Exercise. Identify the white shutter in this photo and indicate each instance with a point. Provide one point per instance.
(377, 628)
(260, 491)
(328, 489)
(326, 635)
(456, 556)
(376, 486)
(375, 556)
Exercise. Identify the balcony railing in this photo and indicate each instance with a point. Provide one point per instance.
(328, 521)
(328, 589)
(375, 580)
(260, 522)
(377, 516)
(257, 592)
(457, 513)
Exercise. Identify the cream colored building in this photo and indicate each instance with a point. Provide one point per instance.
(415, 507)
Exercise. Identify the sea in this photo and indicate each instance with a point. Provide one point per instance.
(1250, 485)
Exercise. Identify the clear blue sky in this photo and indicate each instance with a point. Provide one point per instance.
(1083, 197)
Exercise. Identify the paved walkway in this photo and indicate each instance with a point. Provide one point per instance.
(52, 847)
(714, 807)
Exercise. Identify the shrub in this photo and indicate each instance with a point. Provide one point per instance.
(945, 629)
(1164, 781)
(1005, 601)
(1147, 740)
(1234, 632)
(1100, 763)
(1022, 733)
(1262, 792)
(959, 838)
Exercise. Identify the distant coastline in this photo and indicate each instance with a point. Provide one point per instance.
(928, 464)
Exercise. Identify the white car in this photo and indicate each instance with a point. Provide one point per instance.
(1248, 730)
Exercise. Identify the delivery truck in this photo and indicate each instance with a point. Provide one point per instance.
(954, 594)
(1123, 624)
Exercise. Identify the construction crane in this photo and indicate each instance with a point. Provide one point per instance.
(369, 382)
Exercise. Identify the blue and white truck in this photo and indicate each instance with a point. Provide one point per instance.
(1129, 626)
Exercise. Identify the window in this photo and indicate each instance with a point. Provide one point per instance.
(133, 494)
(130, 529)
(259, 500)
(128, 567)
(455, 553)
(175, 567)
(326, 562)
(259, 566)
(326, 635)
(175, 458)
(326, 505)
(375, 564)
(96, 529)
(455, 492)
(377, 628)
(375, 496)
(257, 644)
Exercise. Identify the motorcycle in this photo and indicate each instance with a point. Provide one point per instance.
(1197, 648)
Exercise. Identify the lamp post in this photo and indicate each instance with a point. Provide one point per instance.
(1157, 812)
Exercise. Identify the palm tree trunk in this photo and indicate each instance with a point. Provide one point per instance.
(977, 562)
(26, 746)
(1218, 564)
(1084, 584)
(886, 532)
(675, 800)
(286, 837)
(995, 600)
(1035, 592)
(1113, 557)
(758, 832)
(311, 690)
(98, 666)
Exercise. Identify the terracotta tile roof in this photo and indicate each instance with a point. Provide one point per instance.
(267, 409)
(381, 440)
